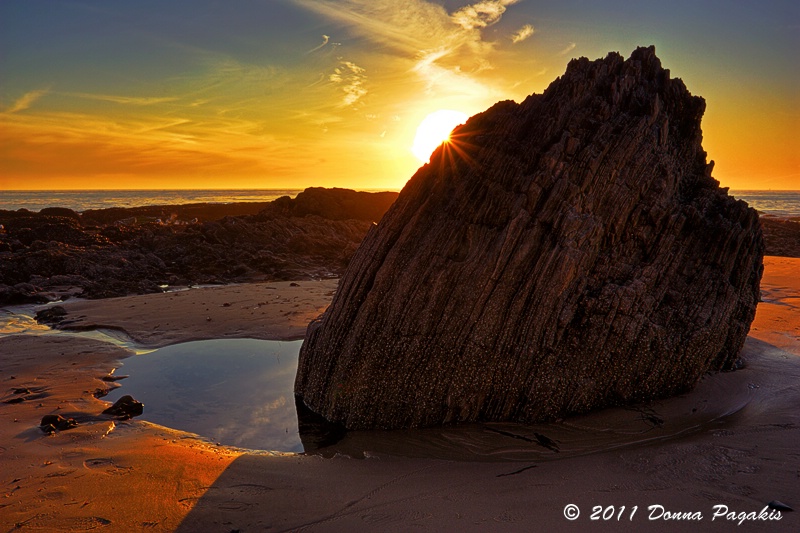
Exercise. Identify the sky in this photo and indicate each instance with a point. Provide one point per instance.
(157, 94)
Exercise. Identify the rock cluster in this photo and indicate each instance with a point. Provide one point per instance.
(115, 252)
(782, 236)
(52, 423)
(559, 255)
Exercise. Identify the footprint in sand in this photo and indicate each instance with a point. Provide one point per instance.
(46, 522)
(106, 465)
(508, 517)
(251, 488)
(61, 473)
(234, 506)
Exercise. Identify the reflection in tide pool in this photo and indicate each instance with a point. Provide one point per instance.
(238, 392)
(21, 320)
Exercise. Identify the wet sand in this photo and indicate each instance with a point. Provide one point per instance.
(272, 311)
(730, 442)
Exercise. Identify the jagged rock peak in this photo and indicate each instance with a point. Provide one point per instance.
(559, 255)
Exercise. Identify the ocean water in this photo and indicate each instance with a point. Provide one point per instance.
(101, 199)
(776, 203)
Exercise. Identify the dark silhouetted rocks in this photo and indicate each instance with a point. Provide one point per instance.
(51, 316)
(560, 255)
(334, 204)
(782, 236)
(52, 423)
(60, 212)
(170, 213)
(124, 408)
(21, 293)
(116, 252)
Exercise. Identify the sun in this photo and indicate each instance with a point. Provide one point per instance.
(434, 130)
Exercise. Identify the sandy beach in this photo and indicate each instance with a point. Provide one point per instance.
(731, 442)
(278, 311)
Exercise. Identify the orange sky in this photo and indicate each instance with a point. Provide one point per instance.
(297, 93)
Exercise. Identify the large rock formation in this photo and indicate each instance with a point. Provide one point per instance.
(559, 255)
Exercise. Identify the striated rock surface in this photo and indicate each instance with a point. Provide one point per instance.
(559, 255)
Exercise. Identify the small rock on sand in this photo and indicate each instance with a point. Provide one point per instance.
(125, 408)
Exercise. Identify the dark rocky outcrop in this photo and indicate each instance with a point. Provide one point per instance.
(53, 423)
(115, 252)
(51, 316)
(782, 236)
(165, 213)
(333, 204)
(124, 408)
(559, 255)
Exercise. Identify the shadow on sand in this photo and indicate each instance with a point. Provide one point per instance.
(480, 475)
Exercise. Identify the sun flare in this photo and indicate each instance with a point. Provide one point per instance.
(434, 130)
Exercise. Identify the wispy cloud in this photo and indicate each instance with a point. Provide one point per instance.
(523, 33)
(325, 40)
(26, 100)
(439, 46)
(454, 80)
(351, 77)
(406, 27)
(80, 144)
(569, 48)
(214, 119)
(124, 100)
(482, 14)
